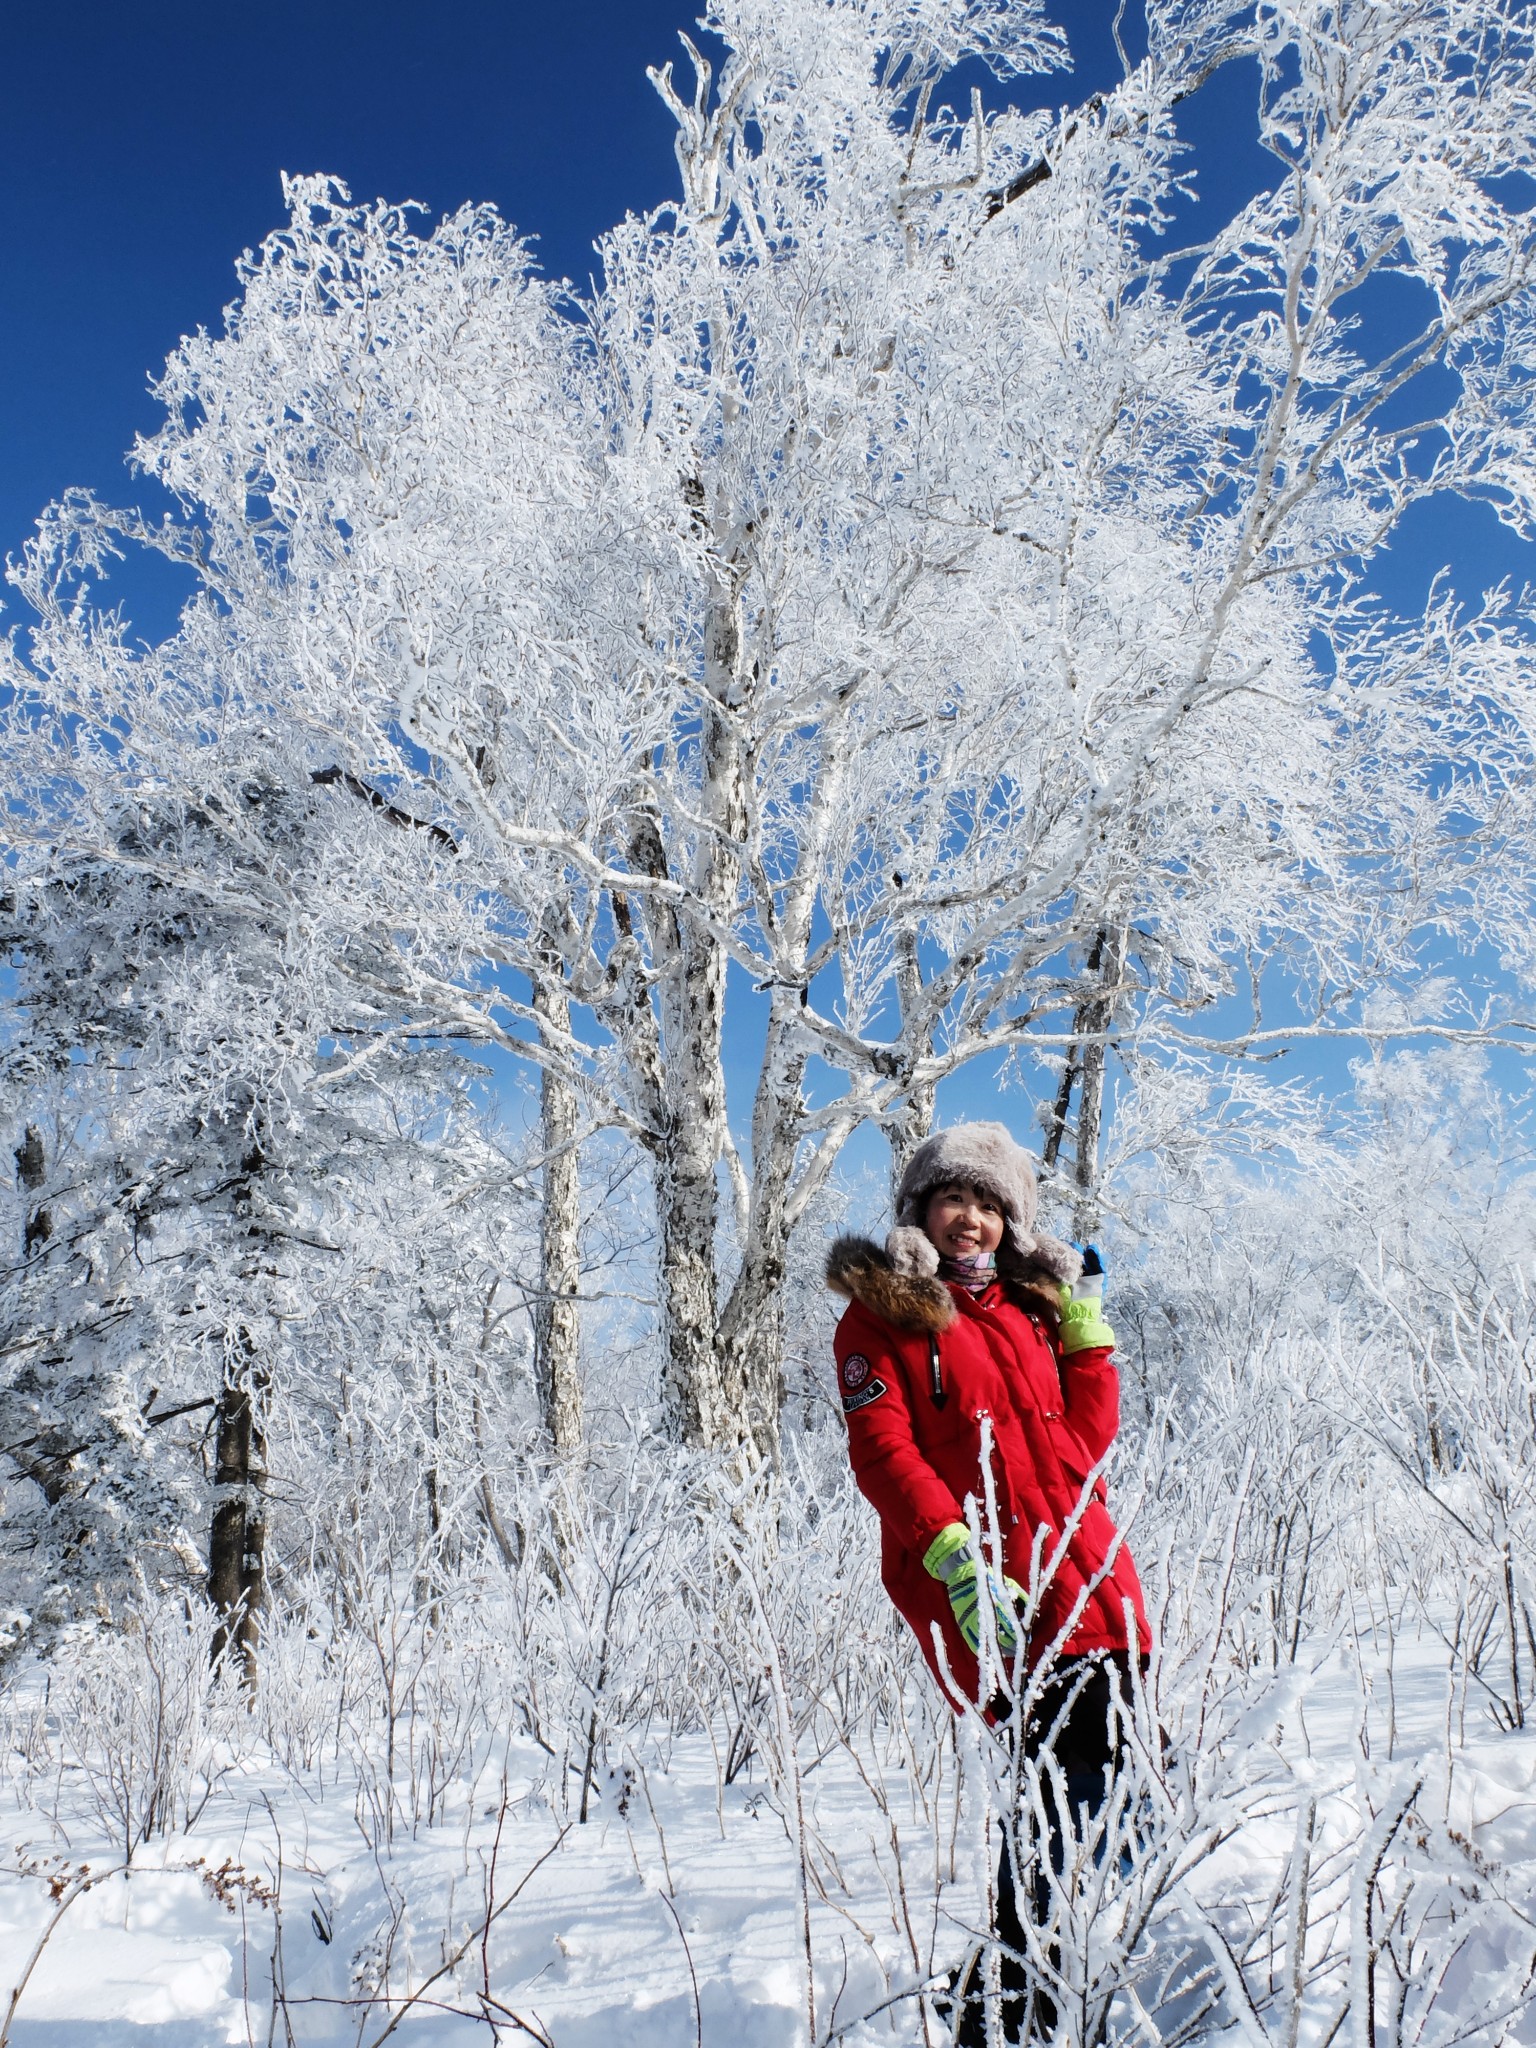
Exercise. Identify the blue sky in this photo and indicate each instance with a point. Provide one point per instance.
(142, 145)
(141, 149)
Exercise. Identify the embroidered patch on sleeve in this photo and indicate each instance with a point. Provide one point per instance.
(855, 1371)
(852, 1402)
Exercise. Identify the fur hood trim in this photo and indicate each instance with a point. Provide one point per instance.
(860, 1271)
(918, 1300)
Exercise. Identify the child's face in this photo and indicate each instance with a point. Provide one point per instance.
(962, 1221)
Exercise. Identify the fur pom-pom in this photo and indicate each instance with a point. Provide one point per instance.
(1050, 1255)
(912, 1252)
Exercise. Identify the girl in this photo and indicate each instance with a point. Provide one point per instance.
(966, 1316)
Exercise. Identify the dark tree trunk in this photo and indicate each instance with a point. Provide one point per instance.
(31, 1172)
(1084, 1068)
(238, 1539)
(1098, 1014)
(1061, 1108)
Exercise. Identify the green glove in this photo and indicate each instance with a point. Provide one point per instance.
(1083, 1327)
(950, 1559)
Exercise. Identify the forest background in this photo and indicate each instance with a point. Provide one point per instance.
(1007, 598)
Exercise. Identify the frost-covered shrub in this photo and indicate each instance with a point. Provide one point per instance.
(144, 1718)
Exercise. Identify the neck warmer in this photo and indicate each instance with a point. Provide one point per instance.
(975, 1273)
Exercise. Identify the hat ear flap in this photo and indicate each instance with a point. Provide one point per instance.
(1062, 1261)
(912, 1252)
(1015, 1255)
(1018, 1246)
(1024, 1256)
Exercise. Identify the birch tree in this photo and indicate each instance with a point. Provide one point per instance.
(917, 604)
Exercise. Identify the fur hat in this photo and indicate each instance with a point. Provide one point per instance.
(982, 1156)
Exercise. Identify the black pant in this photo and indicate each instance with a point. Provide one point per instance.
(1071, 1721)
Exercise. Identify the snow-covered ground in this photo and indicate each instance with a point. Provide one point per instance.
(674, 1913)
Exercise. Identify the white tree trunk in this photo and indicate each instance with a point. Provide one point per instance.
(557, 1318)
(704, 1391)
(668, 1014)
(906, 1128)
(752, 1325)
(695, 1403)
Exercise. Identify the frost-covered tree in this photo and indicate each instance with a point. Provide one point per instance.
(918, 599)
(220, 1217)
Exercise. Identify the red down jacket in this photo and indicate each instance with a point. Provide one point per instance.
(916, 1461)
